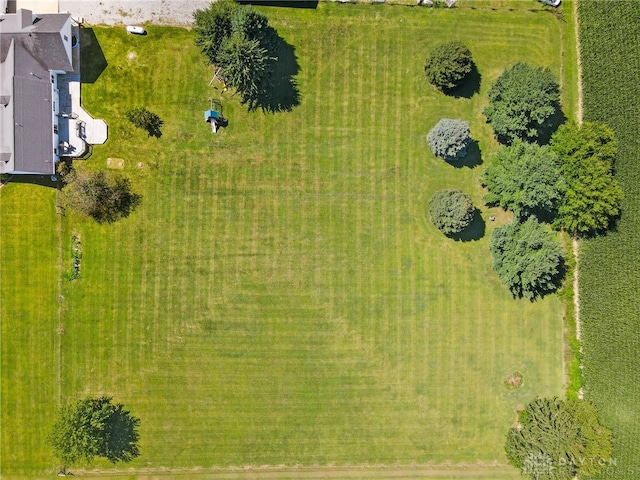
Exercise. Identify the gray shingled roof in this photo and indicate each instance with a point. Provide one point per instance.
(47, 48)
(38, 49)
(50, 22)
(33, 126)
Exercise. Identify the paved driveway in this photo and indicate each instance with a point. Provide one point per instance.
(132, 12)
(38, 6)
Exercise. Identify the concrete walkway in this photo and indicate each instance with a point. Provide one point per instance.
(94, 130)
(129, 12)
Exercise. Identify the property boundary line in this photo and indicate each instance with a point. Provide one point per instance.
(60, 327)
(575, 243)
(475, 470)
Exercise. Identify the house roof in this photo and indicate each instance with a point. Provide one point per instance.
(31, 46)
(42, 40)
(33, 126)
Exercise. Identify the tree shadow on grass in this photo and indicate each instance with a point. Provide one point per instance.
(280, 93)
(472, 159)
(92, 59)
(471, 85)
(556, 282)
(155, 129)
(475, 230)
(555, 120)
(121, 436)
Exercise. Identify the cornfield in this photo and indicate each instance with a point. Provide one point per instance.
(610, 53)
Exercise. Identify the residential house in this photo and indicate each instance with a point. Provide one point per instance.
(37, 64)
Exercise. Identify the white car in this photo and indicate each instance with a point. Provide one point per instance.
(136, 30)
(552, 3)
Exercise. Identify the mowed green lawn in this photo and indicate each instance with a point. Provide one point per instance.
(280, 296)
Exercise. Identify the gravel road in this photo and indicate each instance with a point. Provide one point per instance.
(132, 12)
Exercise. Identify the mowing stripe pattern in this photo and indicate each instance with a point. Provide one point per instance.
(280, 296)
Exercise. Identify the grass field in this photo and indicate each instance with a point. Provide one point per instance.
(609, 265)
(279, 297)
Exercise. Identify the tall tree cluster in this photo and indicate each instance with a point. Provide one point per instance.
(527, 258)
(522, 102)
(593, 197)
(525, 178)
(568, 183)
(240, 41)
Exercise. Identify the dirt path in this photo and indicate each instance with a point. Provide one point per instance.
(576, 26)
(576, 246)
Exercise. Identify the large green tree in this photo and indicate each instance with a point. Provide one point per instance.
(239, 40)
(524, 178)
(558, 440)
(213, 26)
(104, 198)
(451, 211)
(95, 427)
(527, 258)
(593, 199)
(254, 25)
(246, 66)
(448, 65)
(522, 101)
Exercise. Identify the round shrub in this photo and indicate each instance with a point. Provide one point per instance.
(449, 139)
(451, 211)
(448, 65)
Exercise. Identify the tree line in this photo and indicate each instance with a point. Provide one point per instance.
(565, 183)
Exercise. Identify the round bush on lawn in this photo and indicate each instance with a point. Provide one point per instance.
(449, 139)
(448, 65)
(451, 211)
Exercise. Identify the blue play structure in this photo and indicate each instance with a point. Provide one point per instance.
(214, 117)
(211, 115)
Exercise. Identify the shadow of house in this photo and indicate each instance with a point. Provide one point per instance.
(470, 87)
(42, 180)
(472, 159)
(281, 3)
(474, 231)
(93, 59)
(280, 92)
